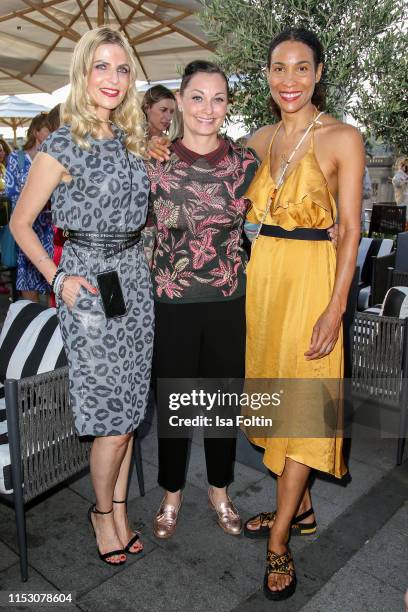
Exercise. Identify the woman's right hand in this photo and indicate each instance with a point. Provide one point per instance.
(158, 148)
(72, 287)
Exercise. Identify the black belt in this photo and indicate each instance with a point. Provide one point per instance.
(300, 233)
(110, 243)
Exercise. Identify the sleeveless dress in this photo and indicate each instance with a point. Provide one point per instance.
(109, 359)
(289, 285)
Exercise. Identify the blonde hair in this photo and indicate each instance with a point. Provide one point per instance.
(77, 110)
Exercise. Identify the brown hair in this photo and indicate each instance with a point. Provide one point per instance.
(54, 118)
(201, 66)
(6, 148)
(155, 94)
(38, 122)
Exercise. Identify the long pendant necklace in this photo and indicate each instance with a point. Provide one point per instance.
(283, 168)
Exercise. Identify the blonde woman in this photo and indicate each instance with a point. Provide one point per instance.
(92, 169)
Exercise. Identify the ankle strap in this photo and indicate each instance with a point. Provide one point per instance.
(124, 501)
(300, 517)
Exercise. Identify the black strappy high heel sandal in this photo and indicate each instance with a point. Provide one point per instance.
(132, 540)
(105, 556)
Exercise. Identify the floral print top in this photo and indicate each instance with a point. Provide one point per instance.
(198, 210)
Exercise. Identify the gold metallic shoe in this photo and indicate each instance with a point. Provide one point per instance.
(228, 517)
(165, 521)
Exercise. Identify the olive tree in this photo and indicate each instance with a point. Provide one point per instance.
(365, 70)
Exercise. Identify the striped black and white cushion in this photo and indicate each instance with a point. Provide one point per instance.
(30, 343)
(395, 303)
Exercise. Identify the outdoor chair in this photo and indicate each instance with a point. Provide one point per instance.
(380, 277)
(39, 447)
(380, 362)
(401, 255)
(389, 271)
(369, 249)
(387, 219)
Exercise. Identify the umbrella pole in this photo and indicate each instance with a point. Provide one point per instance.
(14, 126)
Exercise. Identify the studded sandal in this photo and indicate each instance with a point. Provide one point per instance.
(297, 528)
(279, 564)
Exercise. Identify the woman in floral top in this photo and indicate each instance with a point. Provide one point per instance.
(198, 273)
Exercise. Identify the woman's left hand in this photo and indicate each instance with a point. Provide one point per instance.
(325, 334)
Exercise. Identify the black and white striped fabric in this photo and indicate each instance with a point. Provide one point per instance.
(395, 303)
(30, 343)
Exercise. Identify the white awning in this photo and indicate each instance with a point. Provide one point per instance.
(37, 38)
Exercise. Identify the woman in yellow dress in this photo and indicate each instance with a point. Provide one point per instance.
(297, 285)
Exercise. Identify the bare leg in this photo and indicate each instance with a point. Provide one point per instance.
(305, 504)
(120, 493)
(107, 455)
(291, 489)
(172, 498)
(30, 295)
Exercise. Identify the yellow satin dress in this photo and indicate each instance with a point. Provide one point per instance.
(289, 285)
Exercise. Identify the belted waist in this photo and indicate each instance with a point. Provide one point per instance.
(110, 243)
(299, 233)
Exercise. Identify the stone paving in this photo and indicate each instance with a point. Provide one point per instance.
(357, 561)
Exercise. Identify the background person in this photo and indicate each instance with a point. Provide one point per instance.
(400, 182)
(92, 167)
(159, 107)
(30, 282)
(6, 240)
(4, 153)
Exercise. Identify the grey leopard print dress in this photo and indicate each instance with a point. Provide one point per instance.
(109, 360)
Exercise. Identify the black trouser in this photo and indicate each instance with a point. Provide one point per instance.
(200, 340)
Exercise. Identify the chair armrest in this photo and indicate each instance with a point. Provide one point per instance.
(380, 277)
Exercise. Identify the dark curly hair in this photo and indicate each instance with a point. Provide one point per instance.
(310, 39)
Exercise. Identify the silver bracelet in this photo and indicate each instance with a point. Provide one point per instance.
(57, 283)
(61, 285)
